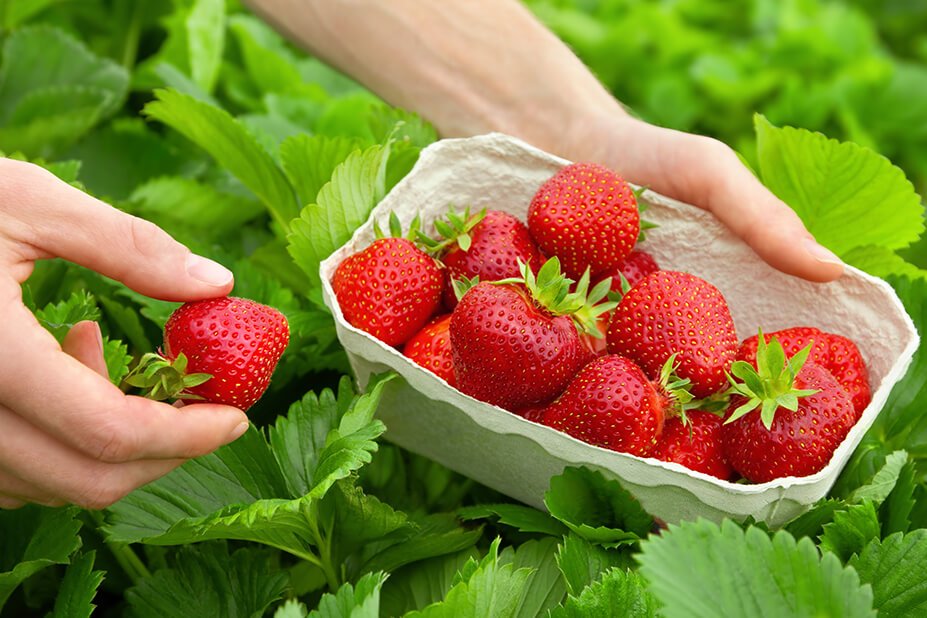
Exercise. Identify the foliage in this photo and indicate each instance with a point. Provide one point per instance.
(264, 159)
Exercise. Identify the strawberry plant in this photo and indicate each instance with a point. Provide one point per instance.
(197, 116)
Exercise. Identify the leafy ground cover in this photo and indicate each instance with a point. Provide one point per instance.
(277, 159)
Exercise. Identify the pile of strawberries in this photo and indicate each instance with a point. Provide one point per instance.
(564, 322)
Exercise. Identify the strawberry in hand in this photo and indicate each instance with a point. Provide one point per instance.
(516, 343)
(787, 415)
(221, 350)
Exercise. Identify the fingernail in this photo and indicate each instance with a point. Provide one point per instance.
(238, 432)
(208, 271)
(98, 333)
(822, 254)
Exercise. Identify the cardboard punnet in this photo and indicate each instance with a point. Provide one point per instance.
(517, 457)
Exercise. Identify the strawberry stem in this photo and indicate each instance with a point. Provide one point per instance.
(163, 379)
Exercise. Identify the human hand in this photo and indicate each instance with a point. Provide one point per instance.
(706, 173)
(67, 434)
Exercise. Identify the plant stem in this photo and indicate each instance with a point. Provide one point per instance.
(124, 554)
(133, 34)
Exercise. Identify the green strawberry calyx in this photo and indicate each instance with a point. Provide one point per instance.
(676, 390)
(454, 231)
(163, 379)
(395, 228)
(550, 289)
(771, 384)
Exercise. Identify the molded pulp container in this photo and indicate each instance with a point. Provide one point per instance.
(517, 457)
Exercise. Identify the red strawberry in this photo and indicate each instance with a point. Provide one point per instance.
(488, 245)
(612, 404)
(695, 444)
(835, 353)
(793, 425)
(517, 346)
(431, 348)
(587, 216)
(236, 341)
(390, 289)
(670, 313)
(635, 267)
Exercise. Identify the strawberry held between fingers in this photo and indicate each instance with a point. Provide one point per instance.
(670, 313)
(587, 216)
(220, 350)
(516, 345)
(390, 289)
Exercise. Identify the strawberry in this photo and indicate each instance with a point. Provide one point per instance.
(431, 348)
(669, 313)
(488, 245)
(635, 267)
(787, 416)
(516, 344)
(390, 289)
(835, 353)
(587, 216)
(221, 350)
(612, 404)
(695, 444)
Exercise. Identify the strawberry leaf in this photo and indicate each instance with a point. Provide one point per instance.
(78, 587)
(851, 530)
(419, 585)
(545, 587)
(599, 510)
(895, 570)
(360, 600)
(310, 160)
(833, 186)
(231, 145)
(34, 537)
(343, 204)
(205, 580)
(583, 563)
(882, 262)
(619, 592)
(684, 561)
(523, 518)
(58, 318)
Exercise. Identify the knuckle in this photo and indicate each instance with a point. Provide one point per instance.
(111, 443)
(100, 491)
(145, 238)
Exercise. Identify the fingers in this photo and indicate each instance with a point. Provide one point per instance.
(56, 393)
(60, 220)
(708, 174)
(35, 467)
(8, 503)
(84, 342)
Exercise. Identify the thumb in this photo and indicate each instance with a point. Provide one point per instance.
(70, 224)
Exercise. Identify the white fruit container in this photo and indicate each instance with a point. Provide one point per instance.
(517, 457)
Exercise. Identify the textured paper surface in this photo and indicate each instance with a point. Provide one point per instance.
(518, 457)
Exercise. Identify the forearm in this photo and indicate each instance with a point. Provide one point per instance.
(468, 66)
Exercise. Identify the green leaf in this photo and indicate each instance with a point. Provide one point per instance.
(58, 318)
(291, 609)
(851, 530)
(582, 562)
(18, 11)
(34, 537)
(811, 522)
(895, 513)
(53, 90)
(192, 207)
(545, 588)
(310, 160)
(617, 593)
(205, 580)
(356, 186)
(685, 561)
(361, 600)
(266, 59)
(117, 357)
(524, 518)
(895, 570)
(230, 144)
(356, 520)
(848, 196)
(598, 510)
(205, 29)
(489, 588)
(418, 585)
(427, 537)
(78, 588)
(882, 262)
(882, 484)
